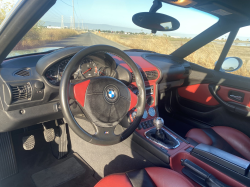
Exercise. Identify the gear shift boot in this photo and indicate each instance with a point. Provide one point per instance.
(168, 142)
(160, 136)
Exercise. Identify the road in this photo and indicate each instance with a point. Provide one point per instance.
(86, 39)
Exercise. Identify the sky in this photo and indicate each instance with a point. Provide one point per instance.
(120, 12)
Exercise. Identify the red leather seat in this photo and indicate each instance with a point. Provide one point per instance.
(148, 177)
(224, 138)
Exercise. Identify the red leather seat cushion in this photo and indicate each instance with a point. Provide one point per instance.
(114, 180)
(161, 177)
(167, 178)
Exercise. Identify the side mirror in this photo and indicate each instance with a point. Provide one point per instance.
(155, 21)
(231, 64)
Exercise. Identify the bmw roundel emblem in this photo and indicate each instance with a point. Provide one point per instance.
(111, 94)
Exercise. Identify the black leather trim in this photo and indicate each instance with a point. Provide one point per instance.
(231, 173)
(140, 178)
(220, 143)
(222, 158)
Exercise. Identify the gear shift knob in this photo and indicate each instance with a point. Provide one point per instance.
(158, 123)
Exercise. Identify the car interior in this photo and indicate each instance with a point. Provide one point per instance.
(105, 117)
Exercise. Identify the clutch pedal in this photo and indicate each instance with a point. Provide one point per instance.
(49, 134)
(28, 142)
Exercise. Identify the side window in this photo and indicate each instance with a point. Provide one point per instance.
(240, 49)
(207, 55)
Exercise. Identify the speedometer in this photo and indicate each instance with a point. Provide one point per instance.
(89, 68)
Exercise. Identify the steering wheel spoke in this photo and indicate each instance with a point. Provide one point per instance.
(133, 100)
(105, 133)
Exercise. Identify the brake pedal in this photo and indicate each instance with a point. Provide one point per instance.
(28, 142)
(49, 134)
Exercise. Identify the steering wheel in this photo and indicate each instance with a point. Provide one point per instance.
(104, 100)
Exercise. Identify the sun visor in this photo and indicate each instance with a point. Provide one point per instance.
(182, 3)
(224, 11)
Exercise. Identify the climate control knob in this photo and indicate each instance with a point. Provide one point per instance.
(151, 111)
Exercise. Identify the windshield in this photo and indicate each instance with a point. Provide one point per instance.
(85, 23)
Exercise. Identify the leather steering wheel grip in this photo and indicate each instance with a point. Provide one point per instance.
(65, 94)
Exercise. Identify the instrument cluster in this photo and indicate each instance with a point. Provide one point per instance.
(87, 68)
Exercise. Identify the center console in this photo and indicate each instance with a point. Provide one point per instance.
(201, 164)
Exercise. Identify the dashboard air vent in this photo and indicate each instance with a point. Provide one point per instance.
(151, 75)
(22, 73)
(21, 92)
(147, 75)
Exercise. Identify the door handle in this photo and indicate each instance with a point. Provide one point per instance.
(241, 110)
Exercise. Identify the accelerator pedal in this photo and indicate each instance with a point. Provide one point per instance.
(60, 144)
(8, 166)
(28, 142)
(49, 134)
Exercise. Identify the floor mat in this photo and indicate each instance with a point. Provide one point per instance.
(40, 158)
(58, 174)
(106, 160)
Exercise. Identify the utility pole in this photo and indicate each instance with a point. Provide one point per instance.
(62, 24)
(71, 23)
(82, 24)
(73, 15)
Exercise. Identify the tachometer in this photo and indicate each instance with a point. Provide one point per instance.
(51, 76)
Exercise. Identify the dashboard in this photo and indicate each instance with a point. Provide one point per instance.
(30, 84)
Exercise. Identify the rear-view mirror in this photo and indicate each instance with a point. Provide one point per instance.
(155, 21)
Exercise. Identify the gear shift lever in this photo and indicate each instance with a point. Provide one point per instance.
(159, 134)
(158, 123)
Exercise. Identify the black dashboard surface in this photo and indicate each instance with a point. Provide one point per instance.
(37, 99)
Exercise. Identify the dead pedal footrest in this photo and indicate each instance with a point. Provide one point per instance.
(8, 166)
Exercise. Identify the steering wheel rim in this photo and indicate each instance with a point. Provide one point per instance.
(66, 92)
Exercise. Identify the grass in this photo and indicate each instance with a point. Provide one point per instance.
(37, 37)
(205, 56)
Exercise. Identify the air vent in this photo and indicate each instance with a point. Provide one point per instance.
(147, 75)
(22, 73)
(151, 75)
(22, 92)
